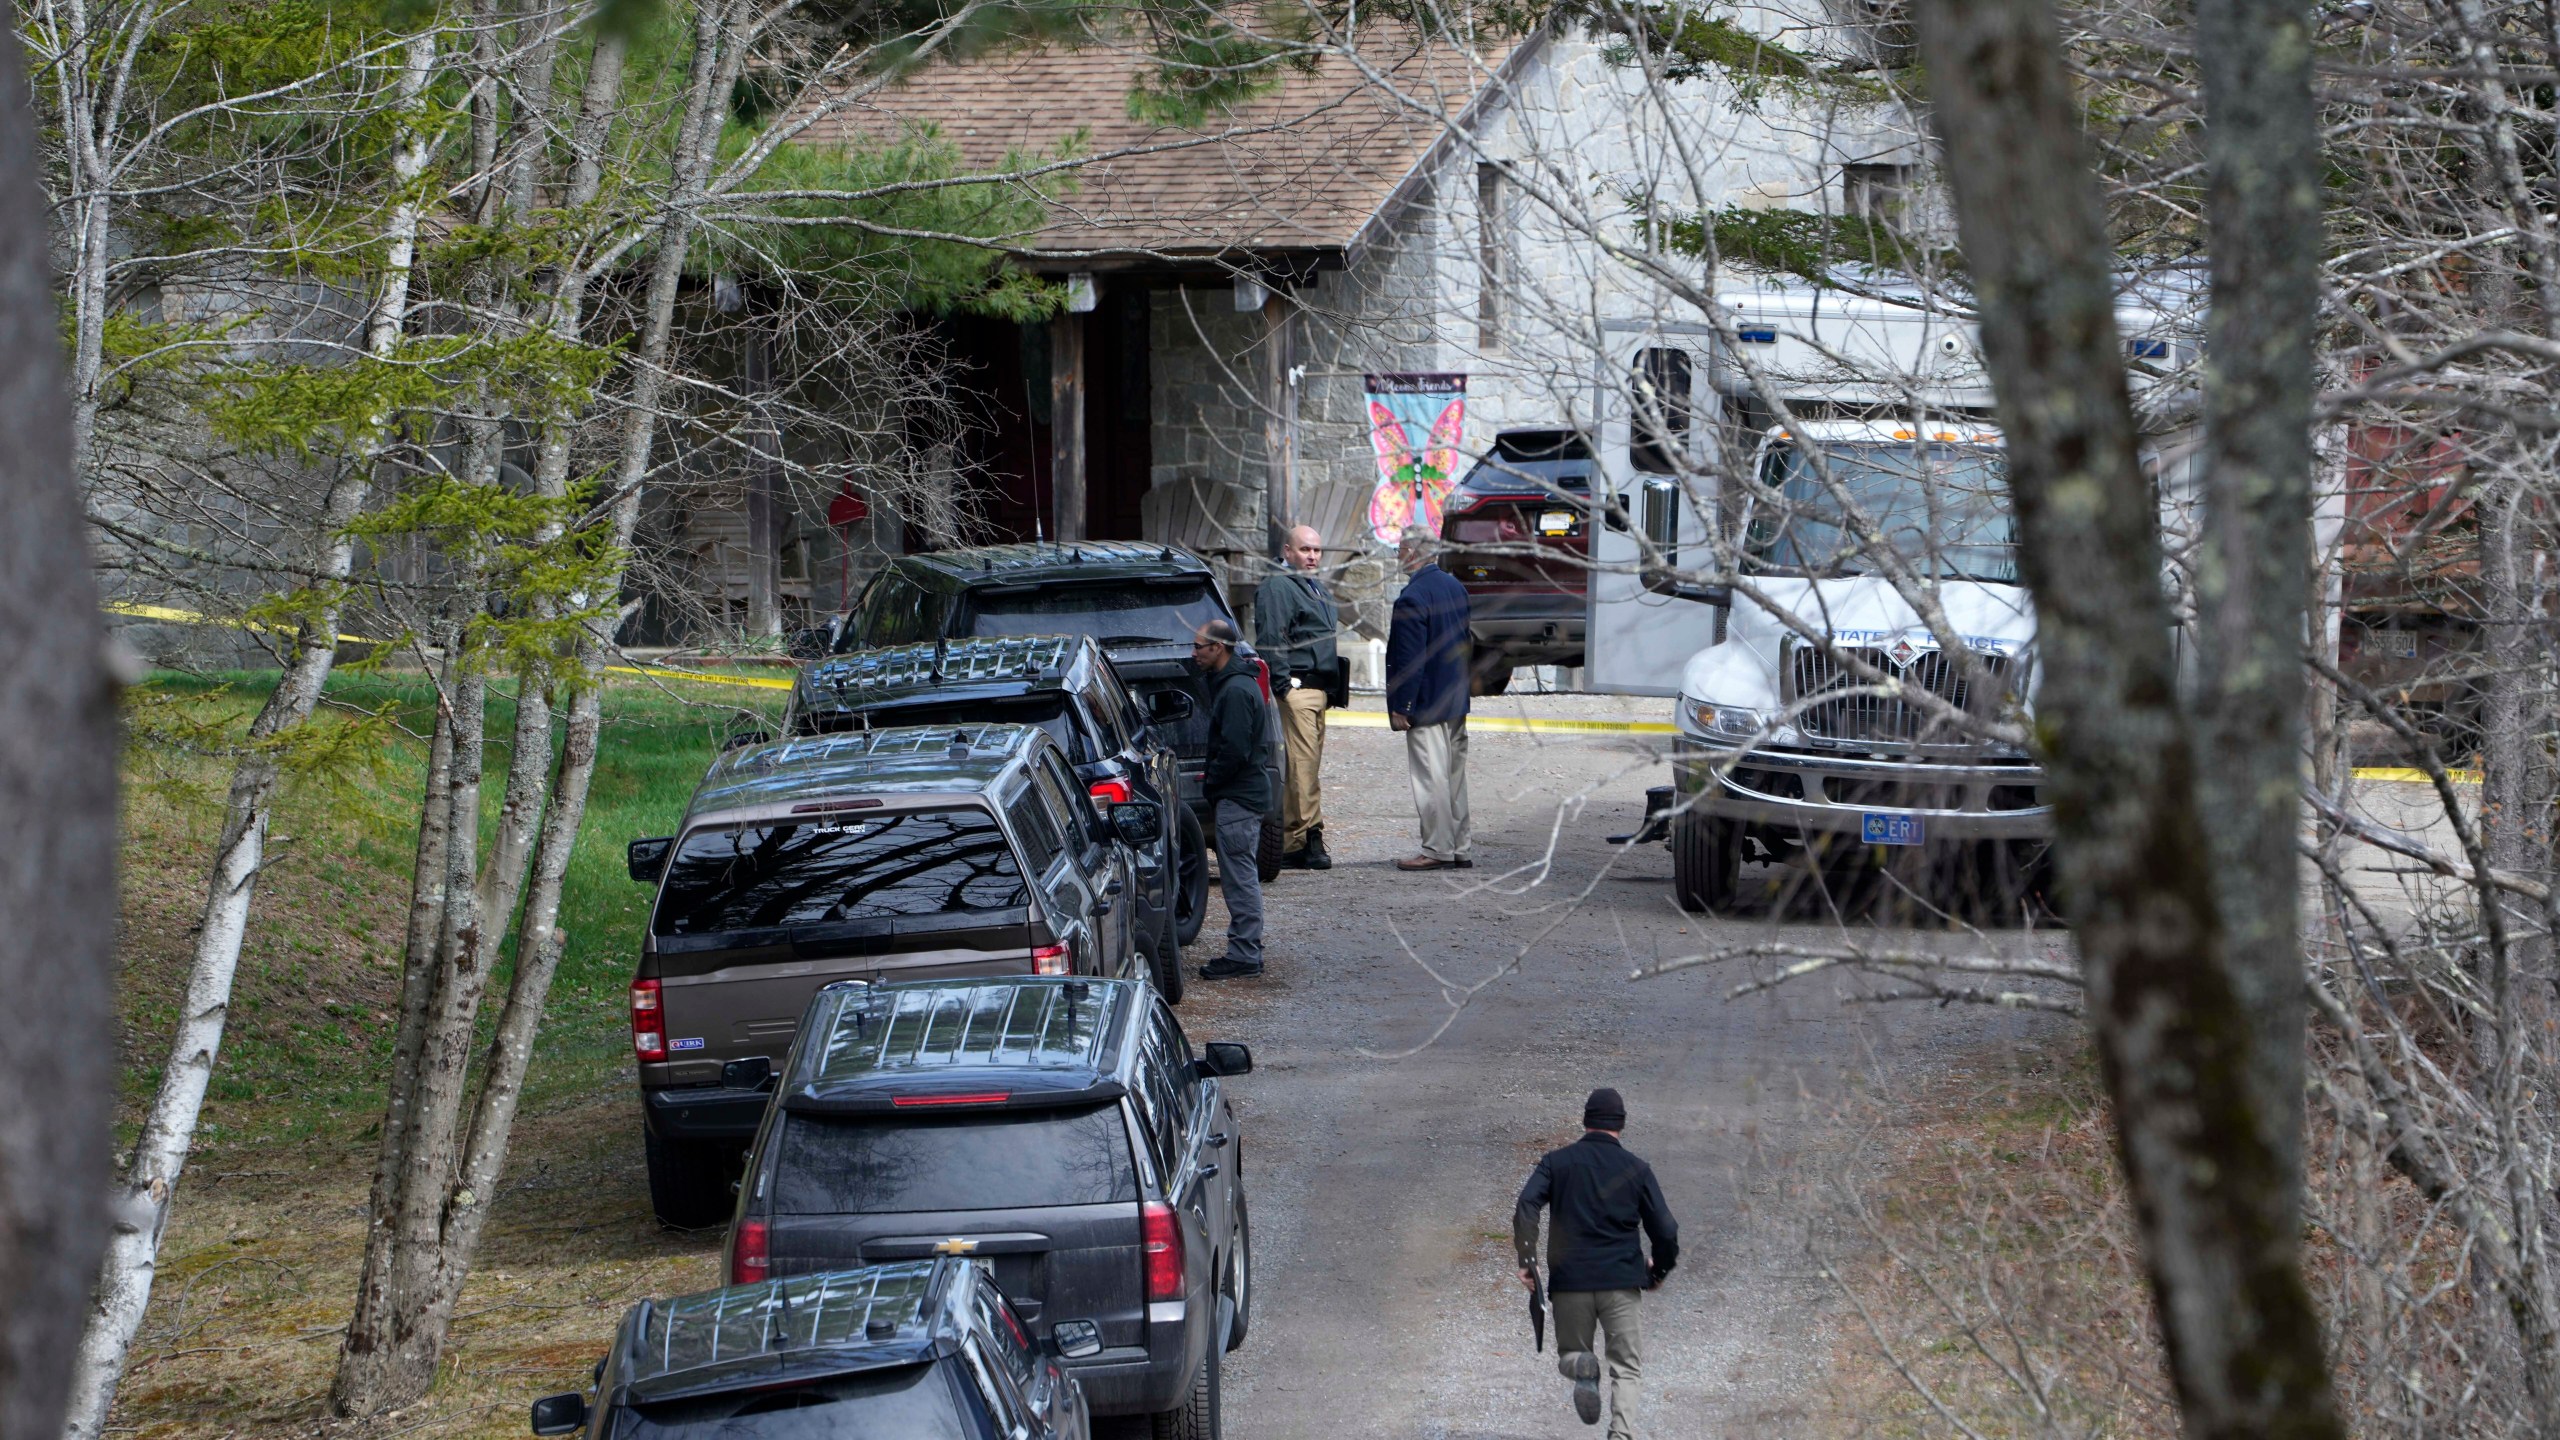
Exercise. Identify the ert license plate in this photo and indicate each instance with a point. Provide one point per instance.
(1555, 522)
(1880, 827)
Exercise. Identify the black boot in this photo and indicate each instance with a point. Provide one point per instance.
(1314, 856)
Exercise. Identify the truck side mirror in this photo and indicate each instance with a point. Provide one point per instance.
(560, 1414)
(1222, 1058)
(648, 858)
(1137, 823)
(1165, 707)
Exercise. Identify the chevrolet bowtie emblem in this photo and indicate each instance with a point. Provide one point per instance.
(955, 1247)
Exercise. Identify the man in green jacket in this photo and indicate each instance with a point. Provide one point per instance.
(1294, 622)
(1238, 791)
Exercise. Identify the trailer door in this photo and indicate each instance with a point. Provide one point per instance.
(1654, 496)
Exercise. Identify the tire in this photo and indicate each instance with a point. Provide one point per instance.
(1240, 1273)
(1267, 854)
(1706, 863)
(1190, 879)
(1491, 675)
(1168, 965)
(689, 1184)
(1198, 1417)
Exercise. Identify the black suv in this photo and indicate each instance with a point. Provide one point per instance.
(1059, 1132)
(927, 852)
(1140, 602)
(926, 1350)
(1067, 687)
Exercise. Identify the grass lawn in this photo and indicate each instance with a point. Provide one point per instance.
(258, 1272)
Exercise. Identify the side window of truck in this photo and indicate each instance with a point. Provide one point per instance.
(1062, 791)
(1040, 842)
(1659, 432)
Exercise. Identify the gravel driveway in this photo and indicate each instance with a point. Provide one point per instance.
(1381, 1188)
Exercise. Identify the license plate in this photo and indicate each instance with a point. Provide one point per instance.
(1878, 827)
(1556, 522)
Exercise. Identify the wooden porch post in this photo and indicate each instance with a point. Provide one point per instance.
(1280, 417)
(1066, 426)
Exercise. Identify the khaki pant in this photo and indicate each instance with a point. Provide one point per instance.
(1302, 798)
(1436, 757)
(1615, 1313)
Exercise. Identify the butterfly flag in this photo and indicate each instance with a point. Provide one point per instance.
(1415, 425)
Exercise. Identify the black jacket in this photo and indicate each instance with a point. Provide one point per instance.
(1294, 623)
(1239, 748)
(1600, 1195)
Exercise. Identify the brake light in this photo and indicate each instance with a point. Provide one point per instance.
(648, 1023)
(1262, 675)
(1160, 1240)
(1111, 792)
(749, 1258)
(1050, 960)
(910, 1102)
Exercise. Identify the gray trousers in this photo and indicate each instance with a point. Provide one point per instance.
(1239, 834)
(1436, 757)
(1614, 1311)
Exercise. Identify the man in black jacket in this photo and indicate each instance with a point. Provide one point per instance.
(1238, 790)
(1601, 1196)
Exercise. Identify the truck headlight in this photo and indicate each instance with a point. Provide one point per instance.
(1730, 722)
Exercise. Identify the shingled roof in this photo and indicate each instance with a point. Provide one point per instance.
(1304, 166)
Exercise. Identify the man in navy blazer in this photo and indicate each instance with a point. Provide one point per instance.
(1427, 700)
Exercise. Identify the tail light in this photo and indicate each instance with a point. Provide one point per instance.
(1050, 960)
(1160, 1240)
(749, 1258)
(1111, 792)
(1262, 675)
(648, 1021)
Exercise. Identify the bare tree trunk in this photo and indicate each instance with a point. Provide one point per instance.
(57, 826)
(2212, 1191)
(123, 1291)
(2253, 576)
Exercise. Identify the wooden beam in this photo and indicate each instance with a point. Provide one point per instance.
(1280, 417)
(1067, 427)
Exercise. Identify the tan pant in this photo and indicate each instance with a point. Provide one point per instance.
(1302, 797)
(1615, 1313)
(1436, 757)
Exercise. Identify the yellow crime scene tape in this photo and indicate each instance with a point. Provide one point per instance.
(1357, 719)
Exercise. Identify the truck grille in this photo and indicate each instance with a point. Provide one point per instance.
(1872, 717)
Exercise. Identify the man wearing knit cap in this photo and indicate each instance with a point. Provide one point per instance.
(1596, 1267)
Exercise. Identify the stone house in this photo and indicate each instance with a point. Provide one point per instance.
(1410, 204)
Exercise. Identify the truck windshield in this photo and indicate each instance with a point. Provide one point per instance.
(1946, 510)
(1117, 612)
(920, 862)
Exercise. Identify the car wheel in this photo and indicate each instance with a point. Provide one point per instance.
(1168, 966)
(1492, 676)
(1197, 1417)
(1190, 878)
(1267, 854)
(689, 1183)
(1706, 862)
(1240, 1276)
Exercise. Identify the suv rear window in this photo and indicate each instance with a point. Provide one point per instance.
(1121, 612)
(1000, 1160)
(919, 862)
(913, 1402)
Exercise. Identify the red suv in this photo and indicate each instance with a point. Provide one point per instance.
(1518, 528)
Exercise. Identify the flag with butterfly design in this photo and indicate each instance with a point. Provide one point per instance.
(1415, 425)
